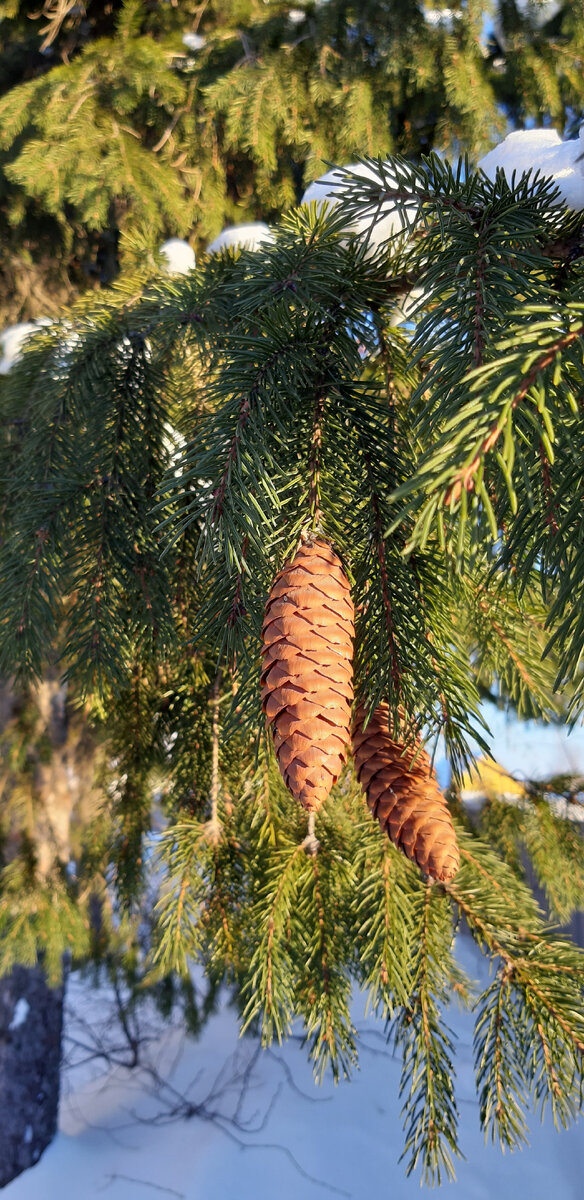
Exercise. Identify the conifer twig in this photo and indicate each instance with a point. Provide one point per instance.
(315, 462)
(465, 478)
(213, 826)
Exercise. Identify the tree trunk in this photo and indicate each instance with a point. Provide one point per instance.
(45, 803)
(31, 1021)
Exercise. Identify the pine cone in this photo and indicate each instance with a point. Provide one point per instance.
(404, 795)
(307, 674)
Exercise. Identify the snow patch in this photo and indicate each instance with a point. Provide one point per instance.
(542, 150)
(540, 12)
(180, 257)
(440, 18)
(20, 1014)
(246, 237)
(12, 340)
(570, 810)
(193, 41)
(377, 226)
(407, 306)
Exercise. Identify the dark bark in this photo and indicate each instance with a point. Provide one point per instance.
(57, 779)
(31, 1021)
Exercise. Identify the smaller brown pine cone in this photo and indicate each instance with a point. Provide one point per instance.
(307, 672)
(403, 794)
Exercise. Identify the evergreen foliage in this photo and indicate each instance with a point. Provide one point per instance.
(111, 124)
(143, 571)
(165, 445)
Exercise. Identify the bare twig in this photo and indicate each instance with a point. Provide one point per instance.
(157, 1187)
(224, 1104)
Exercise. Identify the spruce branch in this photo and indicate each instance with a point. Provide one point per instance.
(532, 1006)
(465, 478)
(427, 1083)
(271, 982)
(179, 933)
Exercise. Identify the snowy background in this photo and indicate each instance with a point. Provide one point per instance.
(309, 1142)
(269, 1131)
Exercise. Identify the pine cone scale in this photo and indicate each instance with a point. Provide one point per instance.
(298, 584)
(307, 676)
(327, 656)
(291, 722)
(280, 676)
(305, 634)
(404, 796)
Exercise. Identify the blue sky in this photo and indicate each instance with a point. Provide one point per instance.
(529, 749)
(532, 750)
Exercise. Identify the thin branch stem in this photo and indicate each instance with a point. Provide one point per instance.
(315, 462)
(213, 826)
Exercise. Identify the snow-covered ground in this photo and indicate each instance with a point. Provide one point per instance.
(308, 1142)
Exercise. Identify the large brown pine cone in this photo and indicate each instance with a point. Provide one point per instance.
(307, 673)
(403, 793)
